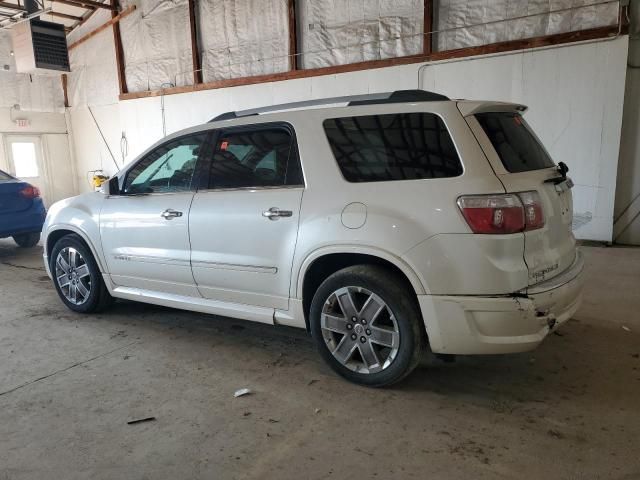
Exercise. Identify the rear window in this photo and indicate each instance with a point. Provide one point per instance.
(515, 143)
(5, 177)
(402, 146)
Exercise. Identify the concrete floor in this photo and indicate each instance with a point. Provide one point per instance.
(69, 384)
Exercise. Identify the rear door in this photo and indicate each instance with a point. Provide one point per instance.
(243, 223)
(522, 164)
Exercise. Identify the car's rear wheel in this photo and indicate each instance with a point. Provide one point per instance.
(366, 325)
(27, 240)
(77, 277)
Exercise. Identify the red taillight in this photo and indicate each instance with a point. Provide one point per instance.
(533, 216)
(492, 213)
(30, 192)
(496, 214)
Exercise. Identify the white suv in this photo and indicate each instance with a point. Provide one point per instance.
(381, 223)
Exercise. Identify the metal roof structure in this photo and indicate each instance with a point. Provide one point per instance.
(70, 13)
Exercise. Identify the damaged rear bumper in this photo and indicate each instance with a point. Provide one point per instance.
(468, 325)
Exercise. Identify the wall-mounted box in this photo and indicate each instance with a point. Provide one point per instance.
(40, 47)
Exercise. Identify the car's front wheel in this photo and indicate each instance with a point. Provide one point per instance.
(27, 240)
(77, 277)
(366, 325)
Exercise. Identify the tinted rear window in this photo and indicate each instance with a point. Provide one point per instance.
(5, 177)
(403, 146)
(516, 145)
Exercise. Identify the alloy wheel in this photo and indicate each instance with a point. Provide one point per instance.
(72, 275)
(360, 330)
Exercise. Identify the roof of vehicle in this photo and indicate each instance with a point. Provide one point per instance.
(399, 96)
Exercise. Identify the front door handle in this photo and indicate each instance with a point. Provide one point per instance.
(275, 213)
(170, 213)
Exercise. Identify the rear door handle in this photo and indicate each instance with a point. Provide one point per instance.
(170, 213)
(275, 213)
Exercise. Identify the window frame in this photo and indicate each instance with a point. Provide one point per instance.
(204, 147)
(444, 122)
(217, 133)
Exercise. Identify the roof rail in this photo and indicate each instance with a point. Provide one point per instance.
(399, 96)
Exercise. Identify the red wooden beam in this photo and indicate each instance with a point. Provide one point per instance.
(114, 20)
(427, 40)
(117, 41)
(556, 39)
(65, 90)
(195, 51)
(293, 36)
(86, 4)
(65, 15)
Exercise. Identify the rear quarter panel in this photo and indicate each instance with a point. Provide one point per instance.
(400, 215)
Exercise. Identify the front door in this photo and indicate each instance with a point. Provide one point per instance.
(244, 222)
(144, 229)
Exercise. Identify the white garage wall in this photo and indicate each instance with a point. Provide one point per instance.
(576, 97)
(575, 94)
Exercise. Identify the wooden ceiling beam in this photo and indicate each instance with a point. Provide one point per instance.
(114, 21)
(86, 4)
(65, 15)
(12, 6)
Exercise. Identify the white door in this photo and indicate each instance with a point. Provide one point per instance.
(26, 162)
(244, 225)
(144, 229)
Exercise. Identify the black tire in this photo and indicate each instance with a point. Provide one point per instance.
(396, 293)
(99, 297)
(27, 240)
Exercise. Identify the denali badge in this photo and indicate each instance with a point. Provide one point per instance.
(539, 275)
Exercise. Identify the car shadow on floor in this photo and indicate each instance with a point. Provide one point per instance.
(558, 371)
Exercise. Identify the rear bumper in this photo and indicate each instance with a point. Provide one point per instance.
(30, 221)
(502, 324)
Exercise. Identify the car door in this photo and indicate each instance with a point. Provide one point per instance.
(144, 228)
(244, 223)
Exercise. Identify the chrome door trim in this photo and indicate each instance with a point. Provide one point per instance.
(236, 267)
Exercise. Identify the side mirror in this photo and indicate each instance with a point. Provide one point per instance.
(111, 187)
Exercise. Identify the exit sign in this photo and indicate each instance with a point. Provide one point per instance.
(22, 122)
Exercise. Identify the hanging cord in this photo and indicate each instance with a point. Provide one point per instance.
(104, 139)
(124, 146)
(164, 123)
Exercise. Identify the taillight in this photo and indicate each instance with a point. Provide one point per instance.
(30, 192)
(533, 216)
(500, 214)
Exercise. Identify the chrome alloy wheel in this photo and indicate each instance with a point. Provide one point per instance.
(360, 330)
(72, 275)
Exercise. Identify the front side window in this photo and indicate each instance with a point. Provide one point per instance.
(518, 148)
(255, 158)
(168, 169)
(399, 146)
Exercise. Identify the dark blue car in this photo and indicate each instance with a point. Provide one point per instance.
(22, 212)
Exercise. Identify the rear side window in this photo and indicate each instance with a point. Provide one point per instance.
(516, 145)
(255, 158)
(399, 146)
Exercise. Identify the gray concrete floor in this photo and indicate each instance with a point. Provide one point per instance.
(69, 384)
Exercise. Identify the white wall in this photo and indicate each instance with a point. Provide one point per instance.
(51, 129)
(575, 94)
(626, 228)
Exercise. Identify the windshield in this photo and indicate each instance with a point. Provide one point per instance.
(515, 143)
(5, 177)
